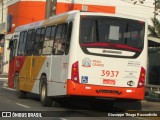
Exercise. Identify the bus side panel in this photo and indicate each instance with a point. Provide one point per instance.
(15, 66)
(25, 74)
(59, 70)
(37, 65)
(29, 72)
(19, 63)
(55, 69)
(56, 74)
(11, 73)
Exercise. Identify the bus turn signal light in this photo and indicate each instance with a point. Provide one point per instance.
(141, 81)
(75, 72)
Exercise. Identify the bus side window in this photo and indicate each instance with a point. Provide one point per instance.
(60, 39)
(37, 41)
(69, 32)
(30, 42)
(22, 41)
(40, 44)
(48, 41)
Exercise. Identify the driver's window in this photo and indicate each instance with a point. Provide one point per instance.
(12, 47)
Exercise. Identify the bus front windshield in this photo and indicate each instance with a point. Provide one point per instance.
(112, 31)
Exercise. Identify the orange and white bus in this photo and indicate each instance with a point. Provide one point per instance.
(88, 54)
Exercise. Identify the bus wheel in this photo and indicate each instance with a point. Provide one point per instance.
(20, 94)
(45, 100)
(15, 81)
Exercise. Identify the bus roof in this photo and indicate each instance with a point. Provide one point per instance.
(57, 18)
(29, 26)
(120, 15)
(60, 18)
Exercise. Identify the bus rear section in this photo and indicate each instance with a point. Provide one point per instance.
(111, 60)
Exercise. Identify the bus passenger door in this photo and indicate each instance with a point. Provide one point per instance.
(12, 47)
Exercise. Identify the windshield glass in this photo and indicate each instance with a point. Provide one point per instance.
(125, 33)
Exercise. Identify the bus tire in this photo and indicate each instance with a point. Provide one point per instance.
(20, 94)
(16, 80)
(45, 100)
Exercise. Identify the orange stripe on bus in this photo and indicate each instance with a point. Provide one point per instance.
(29, 74)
